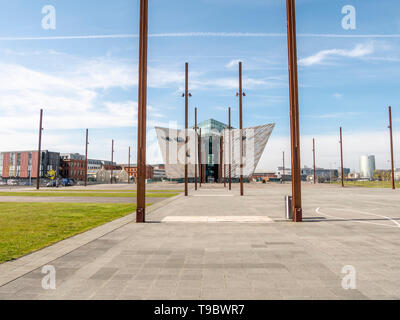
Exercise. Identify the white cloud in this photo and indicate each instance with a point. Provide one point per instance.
(163, 78)
(71, 99)
(103, 74)
(233, 63)
(358, 51)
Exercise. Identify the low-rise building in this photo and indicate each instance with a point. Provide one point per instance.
(346, 172)
(23, 165)
(264, 176)
(353, 176)
(321, 174)
(284, 173)
(132, 170)
(397, 175)
(118, 176)
(72, 166)
(159, 172)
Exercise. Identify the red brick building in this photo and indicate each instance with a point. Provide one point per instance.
(132, 171)
(112, 167)
(73, 169)
(73, 166)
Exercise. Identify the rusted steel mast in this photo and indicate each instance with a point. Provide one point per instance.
(240, 94)
(220, 174)
(315, 176)
(39, 150)
(391, 147)
(142, 95)
(196, 153)
(224, 159)
(186, 95)
(86, 155)
(112, 161)
(129, 165)
(230, 150)
(294, 111)
(341, 156)
(199, 155)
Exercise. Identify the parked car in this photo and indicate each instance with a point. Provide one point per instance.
(27, 184)
(12, 182)
(3, 183)
(67, 182)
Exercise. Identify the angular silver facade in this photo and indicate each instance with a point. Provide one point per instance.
(172, 145)
(254, 142)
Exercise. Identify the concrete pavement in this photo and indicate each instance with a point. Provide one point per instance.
(353, 227)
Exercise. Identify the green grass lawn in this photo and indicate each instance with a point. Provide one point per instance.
(86, 194)
(370, 184)
(27, 227)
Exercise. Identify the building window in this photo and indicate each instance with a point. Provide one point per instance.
(12, 165)
(179, 139)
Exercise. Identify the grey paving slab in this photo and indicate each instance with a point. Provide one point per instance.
(232, 260)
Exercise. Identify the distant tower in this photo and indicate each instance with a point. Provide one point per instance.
(367, 167)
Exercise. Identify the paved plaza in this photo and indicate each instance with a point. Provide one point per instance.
(215, 244)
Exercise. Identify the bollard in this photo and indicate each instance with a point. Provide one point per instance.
(288, 207)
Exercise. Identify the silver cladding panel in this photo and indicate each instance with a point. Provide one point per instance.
(173, 151)
(254, 142)
(172, 145)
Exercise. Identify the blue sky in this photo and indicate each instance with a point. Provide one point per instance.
(346, 77)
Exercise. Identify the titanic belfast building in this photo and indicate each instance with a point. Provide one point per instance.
(213, 149)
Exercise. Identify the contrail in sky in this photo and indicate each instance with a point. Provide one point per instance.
(201, 35)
